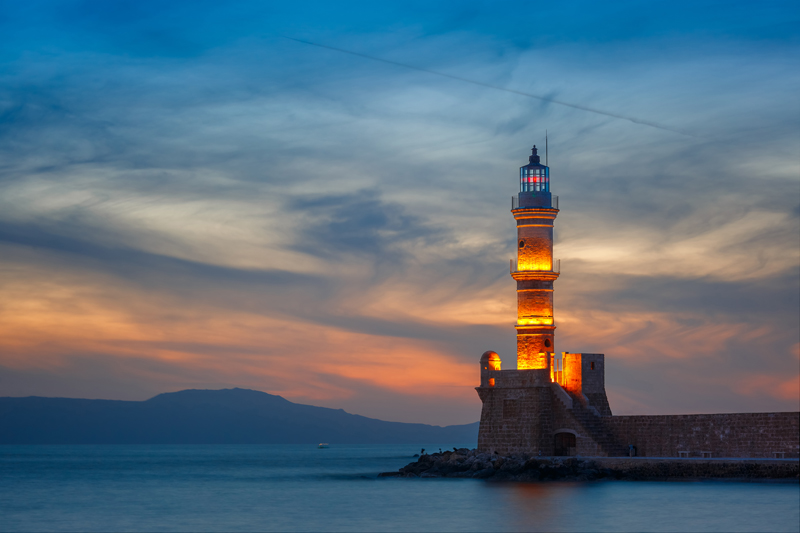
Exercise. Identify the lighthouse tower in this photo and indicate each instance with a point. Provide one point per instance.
(534, 269)
(525, 410)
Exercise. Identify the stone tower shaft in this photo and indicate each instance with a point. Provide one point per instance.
(534, 269)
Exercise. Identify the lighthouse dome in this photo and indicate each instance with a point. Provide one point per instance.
(490, 360)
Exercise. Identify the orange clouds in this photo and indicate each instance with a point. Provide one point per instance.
(46, 320)
(638, 335)
(778, 387)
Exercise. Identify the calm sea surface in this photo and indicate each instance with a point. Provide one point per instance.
(302, 488)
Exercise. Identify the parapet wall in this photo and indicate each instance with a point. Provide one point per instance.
(714, 435)
(514, 379)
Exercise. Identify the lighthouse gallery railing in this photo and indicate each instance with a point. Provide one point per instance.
(515, 202)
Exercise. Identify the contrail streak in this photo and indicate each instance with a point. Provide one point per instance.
(496, 87)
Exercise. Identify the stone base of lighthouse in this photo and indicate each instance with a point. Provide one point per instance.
(565, 412)
(540, 412)
(516, 416)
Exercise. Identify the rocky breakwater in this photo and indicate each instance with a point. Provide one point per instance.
(464, 463)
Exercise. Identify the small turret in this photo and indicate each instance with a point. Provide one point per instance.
(489, 361)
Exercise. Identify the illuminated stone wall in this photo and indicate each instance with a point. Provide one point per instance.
(535, 238)
(532, 350)
(534, 276)
(584, 375)
(535, 328)
(535, 304)
(535, 247)
(573, 376)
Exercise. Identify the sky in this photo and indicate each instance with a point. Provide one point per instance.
(191, 197)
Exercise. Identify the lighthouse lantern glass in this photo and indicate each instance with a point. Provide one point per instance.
(534, 178)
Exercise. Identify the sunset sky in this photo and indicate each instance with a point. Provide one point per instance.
(188, 199)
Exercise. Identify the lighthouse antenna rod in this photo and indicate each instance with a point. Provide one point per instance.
(545, 149)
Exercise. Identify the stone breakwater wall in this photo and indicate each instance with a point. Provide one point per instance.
(464, 463)
(719, 435)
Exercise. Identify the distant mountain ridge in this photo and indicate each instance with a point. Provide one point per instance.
(227, 416)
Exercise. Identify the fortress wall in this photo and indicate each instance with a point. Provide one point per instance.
(511, 379)
(599, 401)
(723, 435)
(515, 420)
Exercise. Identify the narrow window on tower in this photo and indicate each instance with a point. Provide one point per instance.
(522, 244)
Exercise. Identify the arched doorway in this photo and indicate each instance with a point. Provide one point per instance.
(564, 444)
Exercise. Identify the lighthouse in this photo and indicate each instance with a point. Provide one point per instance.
(538, 410)
(526, 409)
(534, 269)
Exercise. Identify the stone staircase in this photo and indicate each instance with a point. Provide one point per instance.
(596, 428)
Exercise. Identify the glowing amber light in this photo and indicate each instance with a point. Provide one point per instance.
(545, 320)
(535, 264)
(538, 362)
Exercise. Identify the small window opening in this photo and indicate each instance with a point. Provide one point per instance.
(706, 455)
(779, 455)
(547, 343)
(491, 382)
(683, 454)
(592, 365)
(522, 244)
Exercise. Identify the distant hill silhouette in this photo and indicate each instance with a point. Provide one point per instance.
(229, 416)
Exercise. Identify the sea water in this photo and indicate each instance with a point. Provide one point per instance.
(303, 488)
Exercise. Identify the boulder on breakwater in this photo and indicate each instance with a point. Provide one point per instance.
(465, 463)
